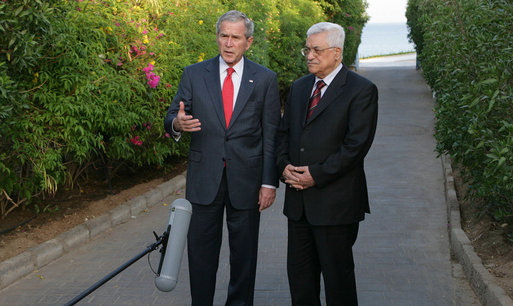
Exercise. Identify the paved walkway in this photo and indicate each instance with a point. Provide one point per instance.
(402, 252)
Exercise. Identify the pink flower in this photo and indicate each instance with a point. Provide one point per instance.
(347, 15)
(350, 28)
(168, 85)
(148, 68)
(136, 141)
(167, 135)
(153, 80)
(120, 64)
(117, 24)
(152, 53)
(145, 32)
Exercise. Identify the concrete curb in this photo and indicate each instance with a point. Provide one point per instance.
(19, 266)
(481, 281)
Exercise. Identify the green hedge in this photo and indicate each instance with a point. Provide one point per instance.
(466, 57)
(85, 84)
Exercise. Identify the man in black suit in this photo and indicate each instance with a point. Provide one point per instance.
(326, 130)
(231, 106)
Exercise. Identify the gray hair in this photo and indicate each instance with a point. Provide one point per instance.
(236, 16)
(336, 34)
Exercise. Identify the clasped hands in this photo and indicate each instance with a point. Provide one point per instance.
(298, 178)
(184, 122)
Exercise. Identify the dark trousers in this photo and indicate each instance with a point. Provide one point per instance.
(326, 249)
(204, 244)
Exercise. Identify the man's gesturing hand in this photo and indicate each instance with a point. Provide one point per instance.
(184, 122)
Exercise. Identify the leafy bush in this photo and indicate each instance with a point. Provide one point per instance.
(351, 15)
(86, 84)
(473, 82)
(285, 57)
(416, 32)
(85, 95)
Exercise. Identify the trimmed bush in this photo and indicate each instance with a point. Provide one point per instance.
(466, 59)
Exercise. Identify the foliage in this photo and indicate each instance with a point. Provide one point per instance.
(294, 19)
(86, 84)
(350, 14)
(416, 32)
(473, 82)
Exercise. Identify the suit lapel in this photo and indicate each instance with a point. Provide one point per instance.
(247, 84)
(213, 85)
(331, 94)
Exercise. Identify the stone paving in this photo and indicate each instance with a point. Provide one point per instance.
(402, 254)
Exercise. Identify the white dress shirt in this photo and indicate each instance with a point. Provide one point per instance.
(236, 75)
(328, 79)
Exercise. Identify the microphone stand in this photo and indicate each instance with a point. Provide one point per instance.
(160, 240)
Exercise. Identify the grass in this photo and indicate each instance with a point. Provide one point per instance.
(389, 54)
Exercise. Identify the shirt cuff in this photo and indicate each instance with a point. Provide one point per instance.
(176, 135)
(269, 186)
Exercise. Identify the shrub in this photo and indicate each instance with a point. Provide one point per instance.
(472, 79)
(350, 14)
(416, 32)
(295, 17)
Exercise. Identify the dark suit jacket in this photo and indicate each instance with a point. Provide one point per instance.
(333, 143)
(247, 146)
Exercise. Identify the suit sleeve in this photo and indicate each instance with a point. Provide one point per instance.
(362, 122)
(184, 94)
(282, 138)
(270, 122)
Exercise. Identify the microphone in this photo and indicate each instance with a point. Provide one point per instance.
(176, 234)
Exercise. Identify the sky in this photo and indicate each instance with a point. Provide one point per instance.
(387, 11)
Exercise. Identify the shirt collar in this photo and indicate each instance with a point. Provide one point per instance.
(328, 79)
(239, 67)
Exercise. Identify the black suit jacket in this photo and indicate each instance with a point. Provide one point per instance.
(333, 143)
(247, 146)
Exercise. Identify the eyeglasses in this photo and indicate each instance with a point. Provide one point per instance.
(305, 51)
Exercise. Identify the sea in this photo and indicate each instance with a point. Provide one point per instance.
(383, 39)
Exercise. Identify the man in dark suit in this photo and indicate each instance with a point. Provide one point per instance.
(231, 106)
(326, 130)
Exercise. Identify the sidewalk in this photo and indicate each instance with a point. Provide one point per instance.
(402, 254)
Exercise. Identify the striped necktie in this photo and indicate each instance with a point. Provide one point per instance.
(314, 100)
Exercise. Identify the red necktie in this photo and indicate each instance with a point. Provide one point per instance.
(314, 100)
(228, 96)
